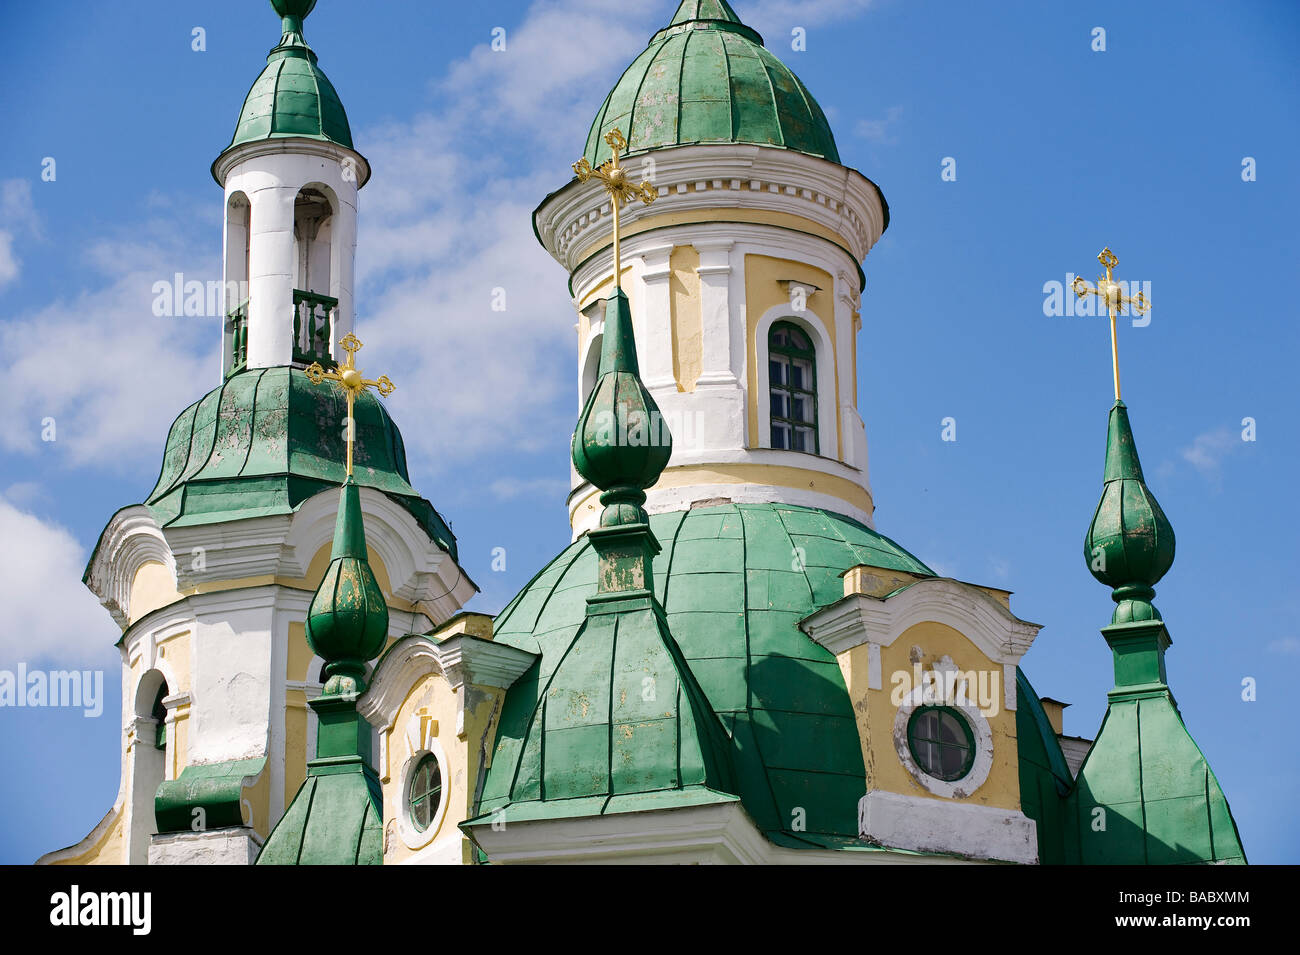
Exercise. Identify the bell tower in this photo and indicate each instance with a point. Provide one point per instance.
(291, 177)
(744, 275)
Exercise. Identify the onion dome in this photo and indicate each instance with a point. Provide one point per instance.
(1130, 543)
(292, 98)
(706, 78)
(347, 621)
(732, 597)
(266, 440)
(621, 443)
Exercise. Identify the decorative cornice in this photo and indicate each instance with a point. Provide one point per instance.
(457, 659)
(131, 539)
(719, 177)
(232, 157)
(856, 619)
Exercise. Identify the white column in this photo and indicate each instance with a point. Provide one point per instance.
(715, 313)
(343, 267)
(272, 268)
(655, 347)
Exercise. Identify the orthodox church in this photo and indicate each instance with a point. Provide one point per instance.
(727, 663)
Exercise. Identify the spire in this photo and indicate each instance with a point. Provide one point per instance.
(709, 14)
(1145, 794)
(292, 13)
(1130, 543)
(336, 818)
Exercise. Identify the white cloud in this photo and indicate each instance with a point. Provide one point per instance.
(49, 614)
(544, 488)
(1207, 452)
(18, 216)
(110, 374)
(880, 130)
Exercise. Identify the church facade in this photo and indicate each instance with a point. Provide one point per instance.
(727, 663)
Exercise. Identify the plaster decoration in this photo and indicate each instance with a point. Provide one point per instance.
(924, 695)
(131, 539)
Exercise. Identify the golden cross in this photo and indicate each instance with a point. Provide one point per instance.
(349, 378)
(614, 178)
(1109, 291)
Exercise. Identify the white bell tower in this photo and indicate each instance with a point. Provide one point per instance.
(291, 178)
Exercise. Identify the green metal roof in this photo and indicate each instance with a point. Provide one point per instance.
(734, 581)
(292, 98)
(706, 78)
(268, 439)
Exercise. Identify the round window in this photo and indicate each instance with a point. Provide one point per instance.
(425, 793)
(941, 742)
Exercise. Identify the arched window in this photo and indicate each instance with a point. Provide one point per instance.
(792, 380)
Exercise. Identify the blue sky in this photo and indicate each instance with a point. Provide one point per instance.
(1059, 150)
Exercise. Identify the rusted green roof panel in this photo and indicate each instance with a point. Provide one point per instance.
(268, 439)
(733, 588)
(706, 78)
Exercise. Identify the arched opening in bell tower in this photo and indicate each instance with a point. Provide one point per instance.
(238, 242)
(315, 292)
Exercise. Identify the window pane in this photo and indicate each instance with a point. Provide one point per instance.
(801, 374)
(777, 370)
(780, 404)
(806, 440)
(801, 408)
(799, 340)
(780, 435)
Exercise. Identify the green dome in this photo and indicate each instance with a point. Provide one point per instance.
(706, 78)
(292, 98)
(734, 581)
(268, 439)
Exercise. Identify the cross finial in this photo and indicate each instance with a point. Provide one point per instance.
(613, 177)
(349, 379)
(1109, 291)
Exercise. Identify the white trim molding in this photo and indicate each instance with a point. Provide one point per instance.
(131, 539)
(859, 618)
(715, 834)
(458, 659)
(716, 177)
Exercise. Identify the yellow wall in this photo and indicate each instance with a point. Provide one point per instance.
(876, 711)
(687, 322)
(432, 698)
(152, 587)
(108, 849)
